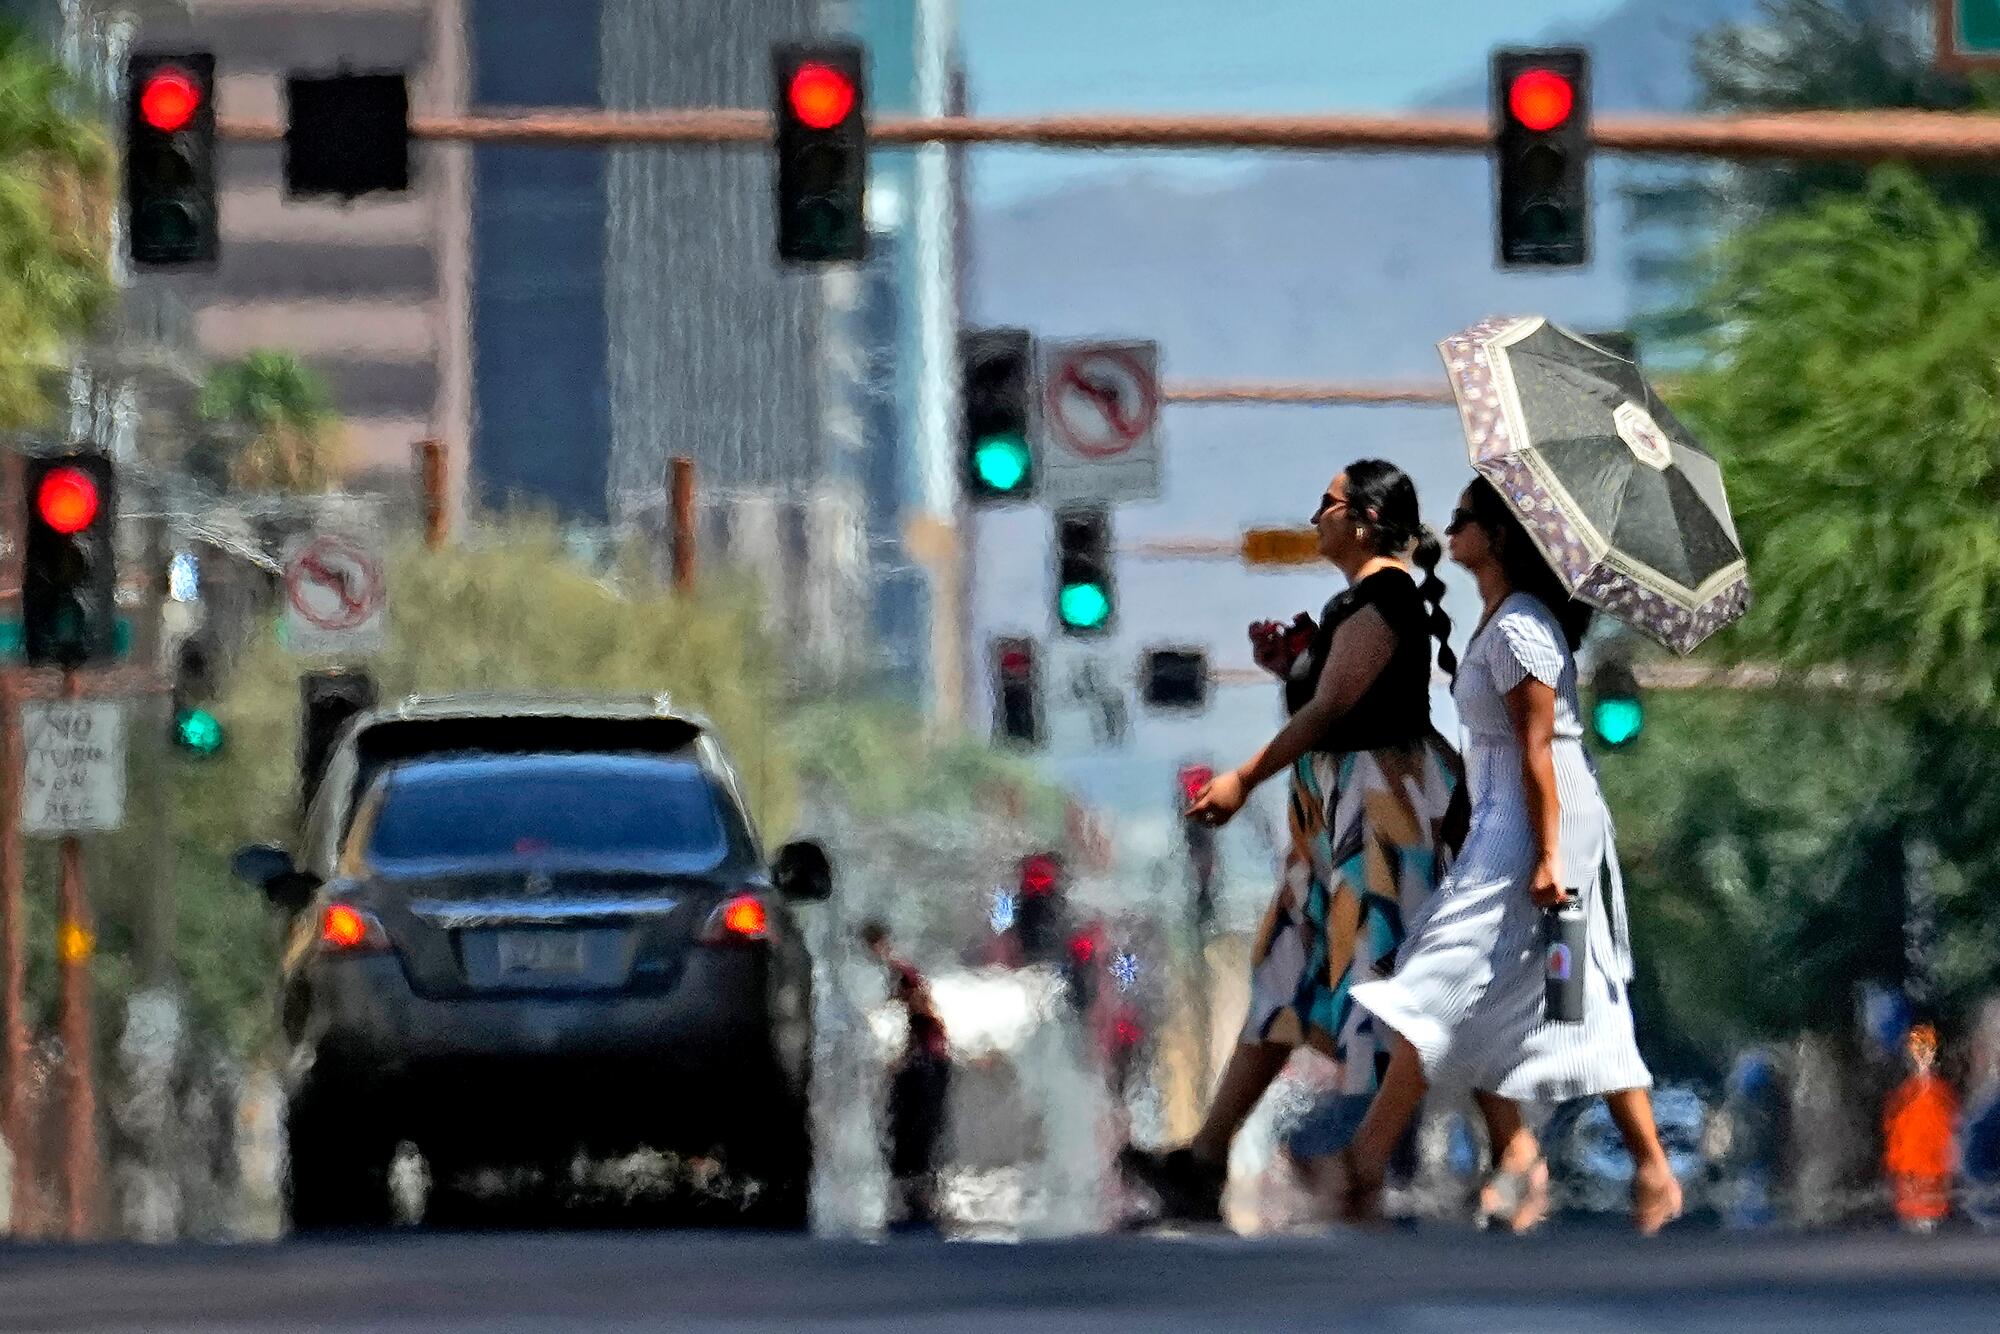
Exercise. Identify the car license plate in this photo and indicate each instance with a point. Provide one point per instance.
(540, 952)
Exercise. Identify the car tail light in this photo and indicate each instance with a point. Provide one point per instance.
(346, 929)
(743, 917)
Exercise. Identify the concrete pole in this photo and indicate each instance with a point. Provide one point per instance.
(933, 529)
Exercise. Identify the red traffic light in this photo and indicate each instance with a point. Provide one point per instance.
(1083, 947)
(67, 500)
(820, 95)
(1541, 99)
(169, 100)
(1195, 777)
(1038, 875)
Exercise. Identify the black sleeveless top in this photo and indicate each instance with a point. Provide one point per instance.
(1395, 710)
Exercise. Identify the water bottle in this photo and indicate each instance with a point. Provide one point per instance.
(1566, 948)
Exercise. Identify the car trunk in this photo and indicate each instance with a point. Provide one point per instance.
(526, 930)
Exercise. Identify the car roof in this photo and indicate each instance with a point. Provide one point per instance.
(539, 704)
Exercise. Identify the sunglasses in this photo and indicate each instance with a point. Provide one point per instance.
(1327, 501)
(1460, 518)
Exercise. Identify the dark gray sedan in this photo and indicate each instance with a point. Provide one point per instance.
(518, 932)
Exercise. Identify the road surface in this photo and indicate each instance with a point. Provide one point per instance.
(1439, 1280)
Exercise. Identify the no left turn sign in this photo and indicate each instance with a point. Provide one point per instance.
(1100, 411)
(334, 596)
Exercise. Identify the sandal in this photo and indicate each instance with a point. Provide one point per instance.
(1518, 1201)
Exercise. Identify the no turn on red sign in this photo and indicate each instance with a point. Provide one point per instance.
(335, 597)
(1100, 420)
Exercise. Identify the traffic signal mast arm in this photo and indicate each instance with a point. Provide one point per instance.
(1834, 136)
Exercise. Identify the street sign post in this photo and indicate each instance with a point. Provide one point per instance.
(1100, 420)
(75, 766)
(335, 598)
(1281, 546)
(1968, 35)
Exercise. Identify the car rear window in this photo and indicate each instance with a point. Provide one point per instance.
(640, 810)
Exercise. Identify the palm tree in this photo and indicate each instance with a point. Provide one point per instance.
(56, 197)
(285, 418)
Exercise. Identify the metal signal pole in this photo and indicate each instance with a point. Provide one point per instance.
(74, 946)
(14, 988)
(1830, 136)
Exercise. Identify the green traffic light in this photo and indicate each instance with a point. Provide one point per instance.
(1001, 461)
(198, 730)
(1618, 720)
(1084, 606)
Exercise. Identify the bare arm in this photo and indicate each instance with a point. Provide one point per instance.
(1360, 651)
(1531, 707)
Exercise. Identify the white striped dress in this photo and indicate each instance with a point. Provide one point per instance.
(1468, 987)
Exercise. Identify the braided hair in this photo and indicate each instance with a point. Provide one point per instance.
(1382, 496)
(1521, 561)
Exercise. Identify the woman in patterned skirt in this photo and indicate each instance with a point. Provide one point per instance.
(1371, 814)
(1465, 1006)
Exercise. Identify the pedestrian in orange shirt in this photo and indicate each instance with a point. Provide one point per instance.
(1919, 1125)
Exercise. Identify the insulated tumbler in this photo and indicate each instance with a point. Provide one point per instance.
(1565, 942)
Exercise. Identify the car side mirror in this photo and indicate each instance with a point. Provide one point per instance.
(271, 869)
(802, 873)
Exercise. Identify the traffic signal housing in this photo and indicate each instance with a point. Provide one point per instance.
(822, 151)
(1086, 603)
(1017, 692)
(1040, 907)
(196, 729)
(171, 216)
(1617, 711)
(69, 573)
(347, 134)
(1541, 115)
(1174, 678)
(996, 448)
(327, 699)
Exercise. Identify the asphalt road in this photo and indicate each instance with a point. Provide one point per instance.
(1442, 1280)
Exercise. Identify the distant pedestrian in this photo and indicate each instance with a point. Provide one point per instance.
(1919, 1137)
(1466, 1003)
(1371, 811)
(919, 1084)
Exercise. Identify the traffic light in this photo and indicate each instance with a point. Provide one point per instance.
(347, 134)
(997, 448)
(822, 149)
(1085, 601)
(196, 729)
(170, 159)
(1039, 906)
(1174, 678)
(1541, 114)
(327, 700)
(1017, 692)
(1617, 712)
(69, 575)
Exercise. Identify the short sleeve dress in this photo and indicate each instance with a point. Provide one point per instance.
(1371, 820)
(1468, 987)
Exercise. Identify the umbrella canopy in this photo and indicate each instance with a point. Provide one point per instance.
(1622, 501)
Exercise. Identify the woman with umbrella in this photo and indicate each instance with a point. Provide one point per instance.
(1588, 486)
